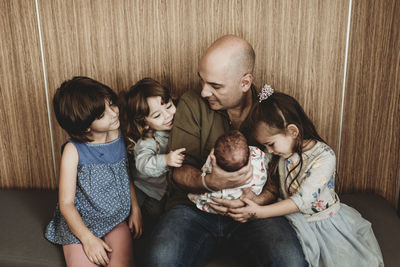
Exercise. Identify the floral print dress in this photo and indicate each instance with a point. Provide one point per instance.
(331, 233)
(102, 195)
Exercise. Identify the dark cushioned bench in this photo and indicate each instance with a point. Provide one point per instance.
(25, 214)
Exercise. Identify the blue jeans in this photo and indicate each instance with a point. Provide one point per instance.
(186, 236)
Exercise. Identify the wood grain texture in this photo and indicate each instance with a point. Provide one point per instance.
(300, 50)
(25, 146)
(370, 157)
(299, 46)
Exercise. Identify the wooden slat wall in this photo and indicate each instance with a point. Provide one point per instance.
(25, 146)
(300, 48)
(299, 45)
(370, 157)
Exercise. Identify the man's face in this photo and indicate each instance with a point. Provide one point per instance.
(219, 85)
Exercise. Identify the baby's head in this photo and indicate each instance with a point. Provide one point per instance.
(231, 151)
(80, 101)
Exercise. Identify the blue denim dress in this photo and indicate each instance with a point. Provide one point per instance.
(102, 191)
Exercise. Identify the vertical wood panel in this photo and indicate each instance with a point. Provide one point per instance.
(370, 157)
(25, 146)
(301, 48)
(299, 45)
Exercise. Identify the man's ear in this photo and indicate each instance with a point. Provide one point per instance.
(292, 130)
(246, 82)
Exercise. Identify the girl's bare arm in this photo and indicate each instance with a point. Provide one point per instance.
(94, 247)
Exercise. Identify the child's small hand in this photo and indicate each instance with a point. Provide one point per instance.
(175, 158)
(135, 222)
(248, 212)
(96, 250)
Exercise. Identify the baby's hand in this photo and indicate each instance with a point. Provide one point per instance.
(96, 250)
(175, 158)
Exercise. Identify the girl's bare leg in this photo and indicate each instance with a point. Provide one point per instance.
(120, 240)
(76, 257)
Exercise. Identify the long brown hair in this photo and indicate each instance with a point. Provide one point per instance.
(277, 112)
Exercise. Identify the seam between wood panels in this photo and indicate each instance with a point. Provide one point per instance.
(46, 89)
(344, 84)
(397, 200)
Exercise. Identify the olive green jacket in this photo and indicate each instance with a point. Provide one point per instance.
(196, 128)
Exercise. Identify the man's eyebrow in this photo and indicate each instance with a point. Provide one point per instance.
(211, 83)
(215, 84)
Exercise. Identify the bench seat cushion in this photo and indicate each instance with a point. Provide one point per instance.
(25, 214)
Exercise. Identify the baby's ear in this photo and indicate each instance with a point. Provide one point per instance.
(292, 130)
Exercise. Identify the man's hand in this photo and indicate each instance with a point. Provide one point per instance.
(251, 210)
(221, 179)
(225, 205)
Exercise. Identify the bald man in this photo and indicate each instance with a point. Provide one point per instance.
(187, 236)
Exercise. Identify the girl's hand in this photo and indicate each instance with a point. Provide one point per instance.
(135, 222)
(224, 205)
(175, 158)
(96, 250)
(248, 212)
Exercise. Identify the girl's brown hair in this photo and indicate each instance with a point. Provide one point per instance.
(78, 102)
(136, 108)
(277, 112)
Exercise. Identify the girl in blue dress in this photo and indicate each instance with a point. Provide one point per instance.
(331, 233)
(95, 193)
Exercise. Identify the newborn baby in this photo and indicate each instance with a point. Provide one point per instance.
(232, 153)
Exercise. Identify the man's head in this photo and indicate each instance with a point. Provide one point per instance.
(231, 151)
(226, 72)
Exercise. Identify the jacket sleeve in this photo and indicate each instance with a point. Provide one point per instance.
(147, 160)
